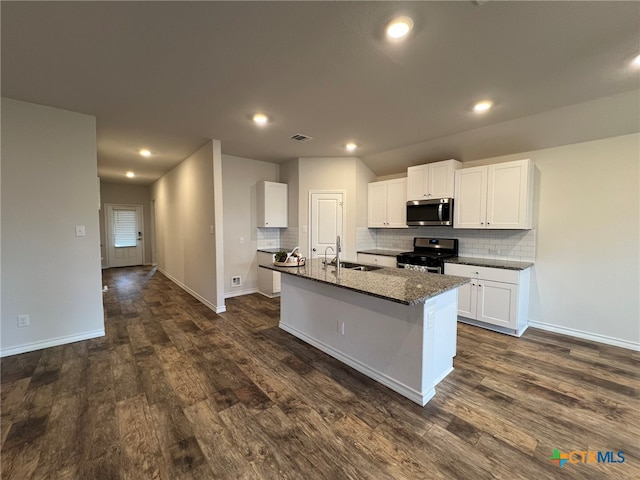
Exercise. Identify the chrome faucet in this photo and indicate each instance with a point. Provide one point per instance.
(338, 250)
(325, 255)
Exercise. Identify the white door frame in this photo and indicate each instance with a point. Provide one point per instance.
(109, 234)
(154, 247)
(344, 217)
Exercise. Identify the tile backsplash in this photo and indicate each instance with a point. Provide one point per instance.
(277, 237)
(365, 238)
(268, 237)
(289, 237)
(516, 245)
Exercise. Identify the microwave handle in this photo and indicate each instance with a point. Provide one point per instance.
(440, 212)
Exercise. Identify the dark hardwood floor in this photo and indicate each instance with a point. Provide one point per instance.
(174, 391)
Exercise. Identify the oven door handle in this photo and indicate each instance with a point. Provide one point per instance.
(440, 212)
(428, 269)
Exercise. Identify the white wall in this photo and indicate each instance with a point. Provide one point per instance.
(49, 185)
(240, 176)
(289, 174)
(126, 194)
(184, 219)
(339, 173)
(586, 277)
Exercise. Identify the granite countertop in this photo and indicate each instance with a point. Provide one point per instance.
(275, 250)
(381, 251)
(489, 262)
(393, 284)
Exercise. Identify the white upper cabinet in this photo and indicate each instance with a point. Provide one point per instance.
(272, 204)
(470, 204)
(387, 205)
(433, 180)
(496, 196)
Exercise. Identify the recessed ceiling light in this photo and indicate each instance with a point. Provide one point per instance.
(399, 27)
(260, 118)
(483, 106)
(145, 153)
(636, 62)
(131, 174)
(351, 146)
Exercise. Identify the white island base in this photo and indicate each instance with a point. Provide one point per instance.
(408, 348)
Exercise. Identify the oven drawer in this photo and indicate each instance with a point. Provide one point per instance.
(484, 273)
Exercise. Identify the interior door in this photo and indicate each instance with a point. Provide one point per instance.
(124, 235)
(326, 222)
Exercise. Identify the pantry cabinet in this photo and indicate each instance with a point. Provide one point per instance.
(495, 298)
(387, 205)
(272, 204)
(433, 180)
(496, 196)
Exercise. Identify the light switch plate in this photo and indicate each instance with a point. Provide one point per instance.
(24, 320)
(80, 231)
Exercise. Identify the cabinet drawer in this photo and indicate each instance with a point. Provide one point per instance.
(380, 260)
(483, 273)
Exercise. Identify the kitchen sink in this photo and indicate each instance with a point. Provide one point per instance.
(359, 266)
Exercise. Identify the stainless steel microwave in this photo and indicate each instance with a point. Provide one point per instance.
(438, 211)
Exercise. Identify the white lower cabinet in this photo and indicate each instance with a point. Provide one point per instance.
(380, 260)
(268, 280)
(495, 298)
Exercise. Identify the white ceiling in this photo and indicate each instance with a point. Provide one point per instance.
(170, 75)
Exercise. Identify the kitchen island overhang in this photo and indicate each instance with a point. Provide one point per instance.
(395, 326)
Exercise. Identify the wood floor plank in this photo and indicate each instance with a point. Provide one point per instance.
(142, 457)
(61, 451)
(266, 460)
(225, 456)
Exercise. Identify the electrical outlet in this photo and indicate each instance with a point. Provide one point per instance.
(430, 318)
(340, 327)
(241, 240)
(80, 231)
(24, 320)
(236, 281)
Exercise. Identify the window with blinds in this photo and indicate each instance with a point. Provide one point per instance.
(124, 228)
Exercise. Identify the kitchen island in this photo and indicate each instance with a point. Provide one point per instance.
(396, 326)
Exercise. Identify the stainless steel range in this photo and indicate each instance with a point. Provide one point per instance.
(428, 254)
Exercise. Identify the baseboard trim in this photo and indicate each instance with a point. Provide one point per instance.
(493, 328)
(275, 295)
(616, 342)
(418, 397)
(52, 342)
(239, 293)
(204, 301)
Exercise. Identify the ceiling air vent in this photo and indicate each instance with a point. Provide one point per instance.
(298, 137)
